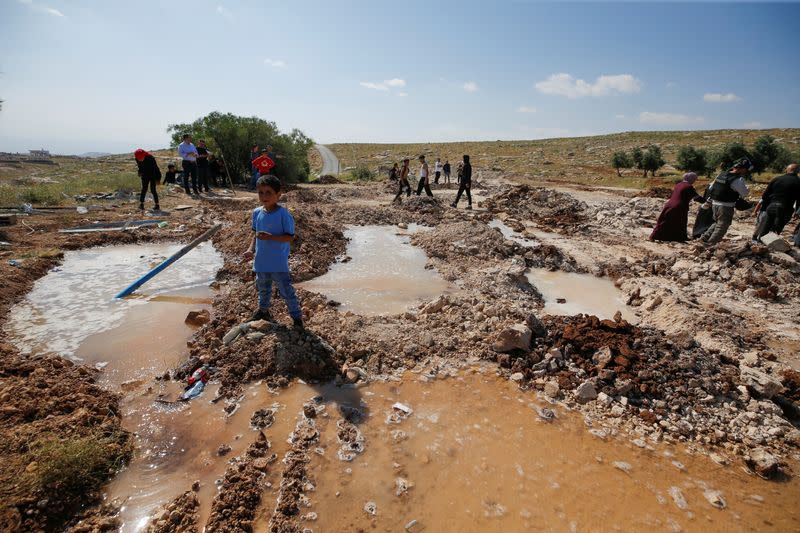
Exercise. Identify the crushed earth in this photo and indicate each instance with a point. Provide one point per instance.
(712, 362)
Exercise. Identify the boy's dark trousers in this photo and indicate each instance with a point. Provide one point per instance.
(190, 169)
(148, 182)
(423, 184)
(403, 185)
(464, 187)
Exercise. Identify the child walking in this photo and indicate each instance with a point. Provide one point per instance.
(273, 230)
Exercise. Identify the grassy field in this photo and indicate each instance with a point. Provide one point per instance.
(57, 184)
(578, 159)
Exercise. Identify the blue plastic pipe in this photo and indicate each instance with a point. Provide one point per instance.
(167, 262)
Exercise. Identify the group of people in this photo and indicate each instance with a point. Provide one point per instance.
(463, 174)
(726, 194)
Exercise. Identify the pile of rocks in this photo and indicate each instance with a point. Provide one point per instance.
(668, 389)
(635, 213)
(549, 208)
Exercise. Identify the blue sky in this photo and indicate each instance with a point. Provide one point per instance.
(83, 75)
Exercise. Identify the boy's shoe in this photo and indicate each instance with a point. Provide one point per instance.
(453, 204)
(261, 315)
(156, 208)
(298, 323)
(469, 206)
(141, 207)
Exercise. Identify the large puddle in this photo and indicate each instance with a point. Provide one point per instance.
(386, 274)
(568, 293)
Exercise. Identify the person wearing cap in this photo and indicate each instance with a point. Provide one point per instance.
(150, 173)
(725, 191)
(188, 154)
(671, 223)
(780, 200)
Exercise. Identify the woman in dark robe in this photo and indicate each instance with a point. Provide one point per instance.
(671, 224)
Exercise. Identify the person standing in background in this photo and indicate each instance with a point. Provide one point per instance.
(188, 154)
(203, 169)
(254, 173)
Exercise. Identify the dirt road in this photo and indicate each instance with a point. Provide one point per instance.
(330, 164)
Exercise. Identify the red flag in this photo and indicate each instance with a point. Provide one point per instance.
(263, 163)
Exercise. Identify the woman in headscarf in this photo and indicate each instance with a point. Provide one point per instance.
(671, 223)
(150, 174)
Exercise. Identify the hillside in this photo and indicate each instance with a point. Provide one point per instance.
(577, 159)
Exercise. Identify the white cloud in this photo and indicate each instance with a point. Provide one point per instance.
(471, 87)
(225, 12)
(374, 86)
(395, 82)
(526, 109)
(385, 85)
(668, 119)
(565, 85)
(620, 116)
(42, 9)
(752, 125)
(274, 63)
(26, 2)
(719, 98)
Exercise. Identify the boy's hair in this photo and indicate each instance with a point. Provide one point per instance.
(171, 165)
(186, 136)
(422, 158)
(270, 181)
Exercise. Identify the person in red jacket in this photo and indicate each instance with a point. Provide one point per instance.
(150, 174)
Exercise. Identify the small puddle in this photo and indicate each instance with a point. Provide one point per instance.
(386, 274)
(583, 293)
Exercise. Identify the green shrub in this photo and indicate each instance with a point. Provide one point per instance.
(362, 173)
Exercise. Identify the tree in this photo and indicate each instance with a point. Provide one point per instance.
(692, 159)
(765, 151)
(621, 160)
(783, 159)
(234, 136)
(724, 158)
(652, 160)
(637, 158)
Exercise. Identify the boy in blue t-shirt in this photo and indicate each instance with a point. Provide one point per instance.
(273, 228)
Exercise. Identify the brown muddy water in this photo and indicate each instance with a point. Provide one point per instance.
(472, 455)
(386, 274)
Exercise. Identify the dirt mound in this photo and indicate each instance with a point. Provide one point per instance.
(658, 192)
(326, 179)
(547, 207)
(180, 515)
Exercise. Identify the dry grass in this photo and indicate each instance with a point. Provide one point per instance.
(583, 160)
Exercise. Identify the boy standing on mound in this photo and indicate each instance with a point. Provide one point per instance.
(273, 230)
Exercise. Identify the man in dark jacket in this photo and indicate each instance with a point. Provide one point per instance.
(150, 174)
(725, 190)
(465, 184)
(780, 200)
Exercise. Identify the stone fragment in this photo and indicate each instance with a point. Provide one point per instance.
(762, 384)
(371, 508)
(604, 398)
(551, 389)
(517, 337)
(762, 462)
(259, 325)
(715, 498)
(602, 356)
(678, 498)
(622, 465)
(776, 243)
(517, 377)
(198, 318)
(585, 392)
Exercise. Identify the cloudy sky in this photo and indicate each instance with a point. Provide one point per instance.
(82, 75)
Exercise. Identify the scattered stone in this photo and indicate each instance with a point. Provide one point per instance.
(551, 389)
(517, 337)
(760, 383)
(401, 486)
(776, 243)
(678, 498)
(198, 318)
(262, 418)
(762, 463)
(517, 377)
(622, 465)
(371, 508)
(223, 450)
(585, 392)
(546, 414)
(715, 498)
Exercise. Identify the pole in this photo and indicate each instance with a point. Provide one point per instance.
(167, 262)
(225, 162)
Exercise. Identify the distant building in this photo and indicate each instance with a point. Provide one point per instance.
(39, 156)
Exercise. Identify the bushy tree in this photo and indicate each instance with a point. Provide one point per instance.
(233, 136)
(724, 157)
(765, 150)
(783, 159)
(692, 159)
(637, 158)
(652, 160)
(621, 160)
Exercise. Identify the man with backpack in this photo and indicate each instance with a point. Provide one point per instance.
(724, 192)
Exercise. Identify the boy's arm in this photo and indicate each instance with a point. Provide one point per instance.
(251, 248)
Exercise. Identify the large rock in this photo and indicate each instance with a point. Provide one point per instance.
(762, 462)
(536, 326)
(776, 243)
(585, 392)
(602, 356)
(517, 337)
(434, 306)
(760, 383)
(198, 318)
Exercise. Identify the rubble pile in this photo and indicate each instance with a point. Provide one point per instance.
(548, 208)
(179, 516)
(668, 388)
(635, 213)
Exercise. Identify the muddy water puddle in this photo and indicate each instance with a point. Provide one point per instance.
(75, 301)
(569, 293)
(475, 456)
(385, 275)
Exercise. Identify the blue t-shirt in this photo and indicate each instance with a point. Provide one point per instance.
(272, 256)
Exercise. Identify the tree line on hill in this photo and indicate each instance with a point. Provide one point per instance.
(765, 154)
(233, 137)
